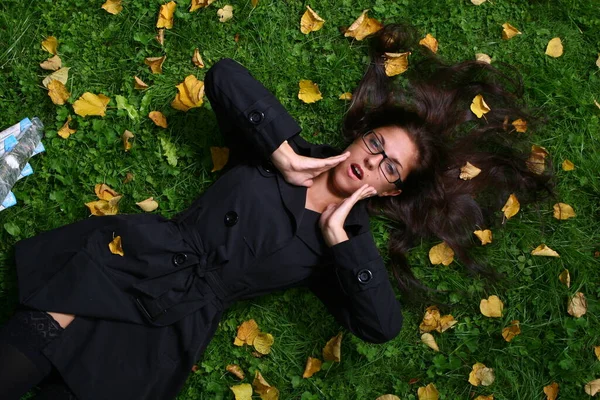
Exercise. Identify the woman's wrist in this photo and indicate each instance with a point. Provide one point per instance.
(335, 236)
(282, 157)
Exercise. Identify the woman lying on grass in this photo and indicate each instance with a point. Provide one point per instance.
(285, 213)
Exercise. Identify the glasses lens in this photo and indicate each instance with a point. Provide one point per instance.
(373, 143)
(389, 169)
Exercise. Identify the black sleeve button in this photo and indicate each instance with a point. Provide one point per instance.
(231, 218)
(364, 275)
(256, 117)
(179, 259)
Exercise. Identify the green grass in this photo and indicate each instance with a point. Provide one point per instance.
(106, 51)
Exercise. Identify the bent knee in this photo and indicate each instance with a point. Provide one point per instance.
(63, 319)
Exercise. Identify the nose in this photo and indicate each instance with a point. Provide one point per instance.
(372, 161)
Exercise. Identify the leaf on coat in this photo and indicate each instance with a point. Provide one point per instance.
(220, 156)
(333, 349)
(441, 254)
(491, 307)
(196, 4)
(479, 107)
(509, 31)
(197, 59)
(551, 391)
(158, 118)
(430, 42)
(246, 333)
(190, 94)
(554, 48)
(577, 306)
(511, 207)
(225, 13)
(396, 63)
(310, 21)
(165, 15)
(563, 211)
(155, 63)
(148, 205)
(66, 131)
(236, 370)
(468, 171)
(263, 342)
(481, 375)
(58, 93)
(543, 250)
(50, 44)
(169, 150)
(116, 247)
(61, 75)
(428, 392)
(484, 235)
(52, 64)
(242, 391)
(113, 6)
(565, 278)
(514, 329)
(429, 340)
(262, 387)
(91, 104)
(363, 27)
(313, 365)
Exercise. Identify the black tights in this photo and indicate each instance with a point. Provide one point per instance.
(22, 363)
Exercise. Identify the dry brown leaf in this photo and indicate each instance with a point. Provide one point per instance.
(577, 306)
(105, 192)
(313, 365)
(155, 63)
(116, 246)
(165, 15)
(247, 332)
(262, 387)
(160, 36)
(396, 63)
(158, 118)
(148, 205)
(431, 320)
(430, 42)
(484, 235)
(592, 387)
(309, 91)
(254, 3)
(345, 96)
(363, 27)
(220, 156)
(536, 162)
(128, 177)
(196, 4)
(551, 391)
(197, 59)
(263, 342)
(52, 64)
(543, 250)
(225, 13)
(58, 93)
(61, 75)
(554, 48)
(242, 391)
(568, 165)
(65, 131)
(388, 397)
(511, 207)
(563, 211)
(236, 370)
(139, 84)
(91, 104)
(520, 125)
(428, 392)
(483, 58)
(491, 307)
(479, 107)
(310, 21)
(113, 6)
(565, 278)
(482, 397)
(189, 94)
(597, 352)
(509, 332)
(333, 349)
(469, 171)
(104, 207)
(125, 138)
(441, 254)
(50, 44)
(509, 31)
(429, 340)
(446, 322)
(481, 375)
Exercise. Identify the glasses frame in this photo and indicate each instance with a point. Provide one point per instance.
(398, 182)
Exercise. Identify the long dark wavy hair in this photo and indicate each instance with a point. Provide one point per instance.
(431, 102)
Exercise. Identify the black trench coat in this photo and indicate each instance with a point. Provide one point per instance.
(143, 319)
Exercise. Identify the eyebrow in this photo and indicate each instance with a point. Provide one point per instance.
(393, 159)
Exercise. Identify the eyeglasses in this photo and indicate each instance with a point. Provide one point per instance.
(388, 168)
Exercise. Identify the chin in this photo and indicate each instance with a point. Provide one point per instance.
(343, 185)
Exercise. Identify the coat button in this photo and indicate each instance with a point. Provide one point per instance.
(268, 167)
(364, 275)
(256, 117)
(231, 218)
(179, 259)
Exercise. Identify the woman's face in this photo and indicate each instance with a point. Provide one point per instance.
(363, 167)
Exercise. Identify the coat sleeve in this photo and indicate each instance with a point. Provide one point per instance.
(249, 116)
(357, 290)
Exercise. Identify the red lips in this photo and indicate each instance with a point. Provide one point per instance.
(356, 171)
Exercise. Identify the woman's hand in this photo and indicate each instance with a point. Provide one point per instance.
(333, 218)
(299, 170)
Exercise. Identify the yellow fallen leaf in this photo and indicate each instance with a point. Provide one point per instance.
(568, 165)
(242, 391)
(148, 205)
(113, 6)
(396, 63)
(482, 397)
(563, 211)
(196, 4)
(309, 91)
(446, 322)
(592, 387)
(220, 156)
(236, 370)
(125, 138)
(478, 2)
(468, 171)
(104, 207)
(50, 44)
(139, 84)
(511, 207)
(543, 250)
(65, 131)
(441, 254)
(105, 192)
(310, 21)
(160, 36)
(333, 349)
(165, 15)
(483, 58)
(481, 375)
(509, 332)
(388, 397)
(52, 64)
(520, 125)
(197, 59)
(565, 278)
(345, 96)
(58, 92)
(262, 387)
(509, 31)
(155, 63)
(430, 42)
(128, 177)
(551, 391)
(363, 27)
(91, 104)
(116, 247)
(190, 94)
(254, 3)
(479, 106)
(598, 61)
(577, 306)
(225, 13)
(554, 48)
(429, 340)
(428, 392)
(158, 118)
(313, 365)
(431, 320)
(596, 103)
(491, 307)
(484, 235)
(597, 352)
(247, 332)
(238, 342)
(62, 75)
(263, 342)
